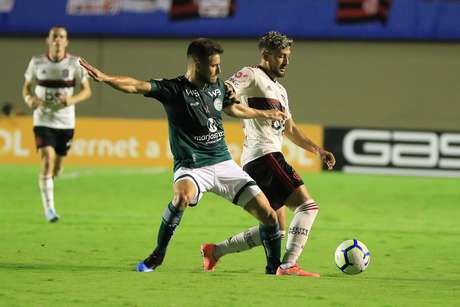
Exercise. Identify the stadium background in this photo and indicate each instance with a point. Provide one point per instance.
(391, 66)
(356, 64)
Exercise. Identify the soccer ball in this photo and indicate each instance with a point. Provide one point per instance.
(352, 257)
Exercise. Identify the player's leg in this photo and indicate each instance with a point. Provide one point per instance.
(281, 215)
(185, 193)
(58, 165)
(46, 182)
(269, 231)
(260, 171)
(237, 186)
(305, 211)
(45, 141)
(242, 241)
(63, 143)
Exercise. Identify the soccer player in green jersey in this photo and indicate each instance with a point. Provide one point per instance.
(193, 103)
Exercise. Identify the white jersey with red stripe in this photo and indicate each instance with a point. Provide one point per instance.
(256, 89)
(51, 80)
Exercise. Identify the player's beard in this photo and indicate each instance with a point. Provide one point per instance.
(207, 78)
(281, 71)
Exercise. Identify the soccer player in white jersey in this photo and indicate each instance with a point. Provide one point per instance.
(49, 89)
(262, 159)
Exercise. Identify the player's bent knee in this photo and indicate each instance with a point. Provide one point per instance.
(272, 218)
(182, 199)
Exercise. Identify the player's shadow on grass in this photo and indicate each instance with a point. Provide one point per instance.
(58, 267)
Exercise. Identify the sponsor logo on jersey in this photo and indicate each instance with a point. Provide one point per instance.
(241, 74)
(209, 138)
(215, 93)
(65, 73)
(212, 125)
(192, 92)
(218, 104)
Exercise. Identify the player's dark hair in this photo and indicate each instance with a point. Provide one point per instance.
(274, 40)
(202, 48)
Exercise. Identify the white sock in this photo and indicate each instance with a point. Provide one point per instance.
(238, 243)
(47, 192)
(299, 229)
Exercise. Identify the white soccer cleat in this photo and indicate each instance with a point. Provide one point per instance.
(51, 216)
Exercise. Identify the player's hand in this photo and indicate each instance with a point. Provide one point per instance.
(230, 93)
(327, 158)
(274, 114)
(34, 102)
(93, 72)
(64, 100)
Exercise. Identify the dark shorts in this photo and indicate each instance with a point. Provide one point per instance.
(59, 139)
(275, 177)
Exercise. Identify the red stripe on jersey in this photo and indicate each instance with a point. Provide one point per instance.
(263, 103)
(280, 171)
(56, 83)
(188, 8)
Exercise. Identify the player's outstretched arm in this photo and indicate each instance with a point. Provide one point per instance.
(121, 83)
(245, 112)
(294, 134)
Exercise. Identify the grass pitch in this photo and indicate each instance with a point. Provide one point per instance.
(110, 216)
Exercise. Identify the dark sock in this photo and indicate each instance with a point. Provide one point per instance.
(271, 240)
(170, 220)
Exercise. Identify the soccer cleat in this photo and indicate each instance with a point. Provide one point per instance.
(150, 263)
(209, 262)
(295, 270)
(141, 267)
(51, 216)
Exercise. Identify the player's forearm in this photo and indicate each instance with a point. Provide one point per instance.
(84, 94)
(244, 112)
(124, 84)
(297, 137)
(27, 95)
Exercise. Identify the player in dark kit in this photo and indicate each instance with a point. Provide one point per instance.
(193, 103)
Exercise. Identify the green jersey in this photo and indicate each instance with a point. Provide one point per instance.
(196, 133)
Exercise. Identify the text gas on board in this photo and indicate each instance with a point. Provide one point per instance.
(402, 148)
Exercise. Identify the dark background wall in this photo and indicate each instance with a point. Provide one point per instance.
(375, 84)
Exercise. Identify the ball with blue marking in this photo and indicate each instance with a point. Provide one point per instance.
(352, 257)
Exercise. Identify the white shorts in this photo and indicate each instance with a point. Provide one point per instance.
(226, 179)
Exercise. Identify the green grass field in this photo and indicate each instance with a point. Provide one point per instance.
(109, 219)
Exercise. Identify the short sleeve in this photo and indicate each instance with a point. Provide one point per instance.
(242, 80)
(30, 71)
(162, 90)
(80, 73)
(287, 110)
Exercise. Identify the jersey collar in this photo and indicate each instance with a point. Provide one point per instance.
(263, 69)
